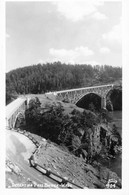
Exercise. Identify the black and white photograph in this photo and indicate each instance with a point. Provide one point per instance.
(63, 95)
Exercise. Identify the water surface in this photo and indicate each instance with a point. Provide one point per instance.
(116, 164)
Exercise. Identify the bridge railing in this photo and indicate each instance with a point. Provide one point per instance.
(70, 90)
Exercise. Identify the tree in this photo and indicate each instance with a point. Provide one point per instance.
(92, 107)
(42, 78)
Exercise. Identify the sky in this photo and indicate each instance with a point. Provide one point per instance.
(76, 32)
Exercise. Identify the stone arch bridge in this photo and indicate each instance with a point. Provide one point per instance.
(16, 109)
(74, 95)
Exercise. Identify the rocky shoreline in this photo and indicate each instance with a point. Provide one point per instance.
(80, 136)
(75, 169)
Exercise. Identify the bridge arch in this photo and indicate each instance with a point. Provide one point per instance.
(19, 120)
(90, 101)
(74, 95)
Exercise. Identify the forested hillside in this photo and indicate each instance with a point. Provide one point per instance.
(57, 76)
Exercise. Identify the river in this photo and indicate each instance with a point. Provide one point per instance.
(117, 119)
(116, 164)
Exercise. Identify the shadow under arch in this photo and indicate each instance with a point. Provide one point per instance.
(90, 101)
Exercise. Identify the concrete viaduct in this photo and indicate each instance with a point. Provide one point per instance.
(14, 110)
(17, 108)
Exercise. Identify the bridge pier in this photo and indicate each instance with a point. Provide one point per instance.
(103, 102)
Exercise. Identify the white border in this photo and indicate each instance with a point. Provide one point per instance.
(125, 126)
